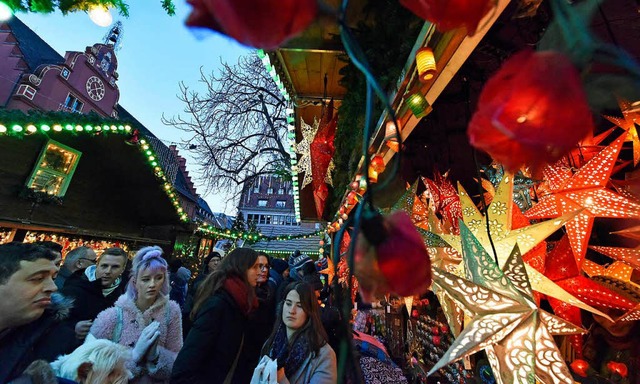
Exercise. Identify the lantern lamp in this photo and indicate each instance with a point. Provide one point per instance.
(5, 11)
(377, 162)
(426, 64)
(391, 136)
(418, 105)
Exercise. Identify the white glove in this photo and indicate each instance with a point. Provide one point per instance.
(146, 339)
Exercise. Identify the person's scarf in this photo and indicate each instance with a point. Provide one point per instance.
(290, 357)
(238, 289)
(90, 272)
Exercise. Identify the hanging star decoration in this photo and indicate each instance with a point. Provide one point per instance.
(521, 184)
(504, 237)
(631, 232)
(506, 322)
(629, 121)
(444, 199)
(586, 190)
(630, 256)
(303, 148)
(330, 271)
(561, 268)
(586, 149)
(618, 277)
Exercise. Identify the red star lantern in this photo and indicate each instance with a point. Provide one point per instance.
(445, 200)
(586, 150)
(629, 122)
(562, 269)
(321, 150)
(586, 191)
(630, 256)
(631, 233)
(617, 276)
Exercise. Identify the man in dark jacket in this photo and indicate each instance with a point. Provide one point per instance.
(30, 313)
(95, 289)
(77, 259)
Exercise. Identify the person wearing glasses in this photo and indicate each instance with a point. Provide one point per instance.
(77, 259)
(95, 288)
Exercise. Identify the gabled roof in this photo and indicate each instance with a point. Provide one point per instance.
(36, 51)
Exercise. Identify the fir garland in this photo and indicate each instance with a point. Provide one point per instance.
(386, 39)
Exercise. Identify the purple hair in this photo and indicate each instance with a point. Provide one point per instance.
(148, 258)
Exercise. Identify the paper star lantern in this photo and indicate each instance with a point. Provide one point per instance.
(506, 323)
(329, 271)
(586, 190)
(628, 122)
(617, 276)
(321, 151)
(561, 268)
(303, 148)
(632, 232)
(445, 199)
(585, 151)
(630, 256)
(504, 237)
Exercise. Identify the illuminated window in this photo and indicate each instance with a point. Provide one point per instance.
(54, 169)
(281, 204)
(72, 104)
(262, 203)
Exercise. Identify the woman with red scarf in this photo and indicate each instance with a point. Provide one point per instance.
(212, 351)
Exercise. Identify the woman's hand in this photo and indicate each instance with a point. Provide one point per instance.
(147, 338)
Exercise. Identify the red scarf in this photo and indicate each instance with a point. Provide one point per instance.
(237, 288)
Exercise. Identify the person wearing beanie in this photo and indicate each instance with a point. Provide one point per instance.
(297, 262)
(179, 284)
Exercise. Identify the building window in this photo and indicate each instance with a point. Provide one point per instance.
(262, 203)
(72, 104)
(270, 191)
(261, 220)
(27, 91)
(280, 191)
(54, 169)
(256, 188)
(281, 204)
(267, 219)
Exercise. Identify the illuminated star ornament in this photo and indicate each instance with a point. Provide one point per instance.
(630, 256)
(516, 335)
(586, 189)
(618, 276)
(629, 122)
(303, 148)
(330, 271)
(505, 237)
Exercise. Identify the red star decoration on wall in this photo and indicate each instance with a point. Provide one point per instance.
(586, 190)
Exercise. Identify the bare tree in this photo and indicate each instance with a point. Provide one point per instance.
(238, 125)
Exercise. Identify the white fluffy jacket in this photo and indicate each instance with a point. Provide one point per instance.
(134, 321)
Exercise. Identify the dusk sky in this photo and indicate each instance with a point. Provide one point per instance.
(157, 52)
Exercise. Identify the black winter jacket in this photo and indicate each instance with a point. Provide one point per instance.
(213, 344)
(46, 339)
(88, 297)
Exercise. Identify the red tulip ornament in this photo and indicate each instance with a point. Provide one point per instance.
(390, 256)
(451, 14)
(532, 111)
(263, 24)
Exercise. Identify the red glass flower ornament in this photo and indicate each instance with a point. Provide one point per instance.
(618, 368)
(450, 14)
(262, 24)
(390, 256)
(580, 367)
(532, 111)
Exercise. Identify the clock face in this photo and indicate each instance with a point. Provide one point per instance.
(95, 88)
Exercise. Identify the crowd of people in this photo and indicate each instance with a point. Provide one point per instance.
(245, 318)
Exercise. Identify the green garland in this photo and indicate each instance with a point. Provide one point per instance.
(18, 124)
(67, 6)
(251, 236)
(387, 40)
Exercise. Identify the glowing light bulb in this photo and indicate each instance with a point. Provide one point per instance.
(100, 15)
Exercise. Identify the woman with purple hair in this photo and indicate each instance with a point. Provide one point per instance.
(145, 320)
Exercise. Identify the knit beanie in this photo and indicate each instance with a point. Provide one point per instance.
(296, 263)
(279, 265)
(183, 274)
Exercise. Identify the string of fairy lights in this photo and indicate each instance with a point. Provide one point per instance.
(252, 236)
(20, 130)
(291, 130)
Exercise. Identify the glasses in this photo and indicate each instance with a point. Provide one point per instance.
(263, 267)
